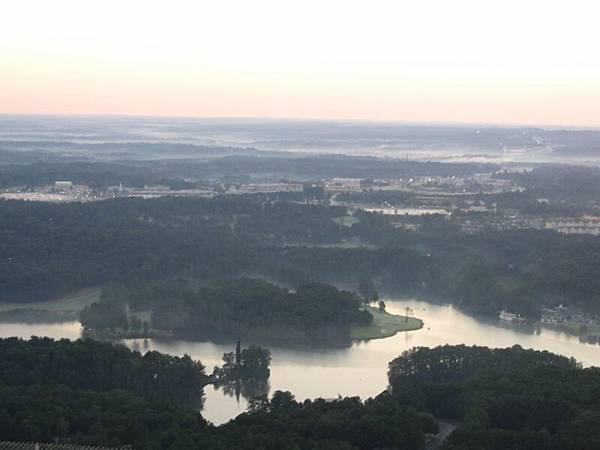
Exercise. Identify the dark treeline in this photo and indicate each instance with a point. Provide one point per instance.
(345, 423)
(505, 398)
(329, 166)
(175, 163)
(59, 413)
(243, 307)
(501, 398)
(86, 417)
(560, 182)
(99, 366)
(49, 250)
(248, 305)
(93, 174)
(46, 398)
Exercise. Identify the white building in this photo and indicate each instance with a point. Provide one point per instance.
(63, 185)
(344, 185)
(511, 317)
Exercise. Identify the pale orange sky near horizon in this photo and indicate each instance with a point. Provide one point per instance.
(507, 62)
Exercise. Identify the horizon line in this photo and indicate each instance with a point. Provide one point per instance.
(451, 124)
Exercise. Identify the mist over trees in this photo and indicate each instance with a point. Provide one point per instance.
(50, 250)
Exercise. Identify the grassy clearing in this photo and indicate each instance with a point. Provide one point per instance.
(346, 221)
(346, 244)
(72, 302)
(385, 325)
(577, 329)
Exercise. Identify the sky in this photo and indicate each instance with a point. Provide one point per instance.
(506, 62)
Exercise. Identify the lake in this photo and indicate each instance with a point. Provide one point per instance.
(356, 370)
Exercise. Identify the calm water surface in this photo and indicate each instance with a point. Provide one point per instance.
(357, 370)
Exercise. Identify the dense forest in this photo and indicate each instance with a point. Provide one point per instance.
(71, 407)
(100, 366)
(231, 307)
(345, 423)
(191, 165)
(505, 398)
(49, 250)
(500, 398)
(46, 413)
(560, 182)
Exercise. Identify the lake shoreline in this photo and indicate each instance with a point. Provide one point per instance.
(384, 325)
(357, 369)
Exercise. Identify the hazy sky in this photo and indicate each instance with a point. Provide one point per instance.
(505, 61)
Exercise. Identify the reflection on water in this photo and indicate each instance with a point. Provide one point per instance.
(357, 370)
(67, 330)
(247, 389)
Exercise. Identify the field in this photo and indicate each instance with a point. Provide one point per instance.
(72, 302)
(346, 244)
(385, 325)
(346, 221)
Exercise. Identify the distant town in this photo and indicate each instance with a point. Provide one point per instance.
(468, 201)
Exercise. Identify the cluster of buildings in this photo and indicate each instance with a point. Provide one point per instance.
(447, 185)
(57, 192)
(501, 221)
(555, 316)
(475, 217)
(583, 225)
(561, 315)
(264, 188)
(475, 224)
(343, 185)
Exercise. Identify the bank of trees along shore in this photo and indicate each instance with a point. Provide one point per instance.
(244, 307)
(502, 399)
(505, 398)
(100, 366)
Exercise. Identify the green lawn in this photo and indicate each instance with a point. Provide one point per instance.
(575, 328)
(72, 302)
(346, 244)
(593, 331)
(346, 221)
(385, 325)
